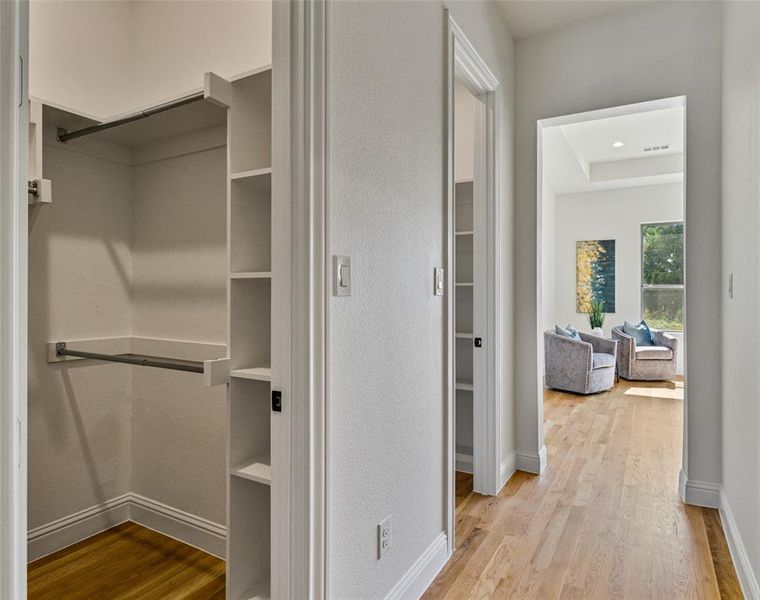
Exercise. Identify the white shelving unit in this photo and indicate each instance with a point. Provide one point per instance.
(464, 276)
(249, 243)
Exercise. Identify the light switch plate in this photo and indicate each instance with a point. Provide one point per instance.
(341, 275)
(438, 281)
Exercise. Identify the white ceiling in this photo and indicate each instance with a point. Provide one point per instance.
(526, 18)
(580, 156)
(592, 140)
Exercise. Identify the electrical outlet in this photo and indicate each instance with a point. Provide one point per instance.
(383, 537)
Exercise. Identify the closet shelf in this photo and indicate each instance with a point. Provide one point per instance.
(464, 386)
(464, 233)
(465, 284)
(244, 176)
(257, 373)
(464, 335)
(258, 470)
(251, 275)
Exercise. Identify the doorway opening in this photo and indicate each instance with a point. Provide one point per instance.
(611, 277)
(473, 411)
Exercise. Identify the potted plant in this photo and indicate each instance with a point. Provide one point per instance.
(596, 316)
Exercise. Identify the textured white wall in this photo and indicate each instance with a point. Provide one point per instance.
(80, 54)
(741, 247)
(609, 215)
(174, 42)
(662, 50)
(109, 58)
(387, 70)
(179, 292)
(80, 272)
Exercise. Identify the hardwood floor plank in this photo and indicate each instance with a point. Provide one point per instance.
(127, 562)
(604, 521)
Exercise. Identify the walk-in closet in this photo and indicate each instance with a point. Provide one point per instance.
(153, 254)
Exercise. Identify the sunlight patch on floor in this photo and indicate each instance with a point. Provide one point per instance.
(674, 391)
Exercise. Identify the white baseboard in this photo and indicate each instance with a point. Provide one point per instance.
(179, 524)
(507, 469)
(744, 572)
(69, 530)
(698, 493)
(422, 573)
(531, 462)
(463, 462)
(193, 530)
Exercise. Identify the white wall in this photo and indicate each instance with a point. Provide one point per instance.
(609, 215)
(612, 61)
(80, 54)
(80, 272)
(174, 42)
(386, 194)
(179, 292)
(464, 131)
(741, 319)
(109, 58)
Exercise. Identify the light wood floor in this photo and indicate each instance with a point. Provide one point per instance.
(604, 520)
(128, 562)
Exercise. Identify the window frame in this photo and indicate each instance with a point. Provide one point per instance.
(657, 286)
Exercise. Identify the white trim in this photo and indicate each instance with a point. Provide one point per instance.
(422, 573)
(698, 493)
(463, 462)
(14, 118)
(742, 564)
(507, 469)
(178, 524)
(300, 34)
(531, 462)
(76, 527)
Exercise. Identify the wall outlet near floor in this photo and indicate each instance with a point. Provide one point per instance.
(383, 537)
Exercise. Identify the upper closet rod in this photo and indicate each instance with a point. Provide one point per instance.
(134, 359)
(64, 136)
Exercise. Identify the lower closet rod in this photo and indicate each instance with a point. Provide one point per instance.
(134, 359)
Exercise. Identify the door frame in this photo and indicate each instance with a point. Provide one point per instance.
(592, 115)
(467, 65)
(14, 28)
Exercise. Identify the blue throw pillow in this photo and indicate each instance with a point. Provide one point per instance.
(568, 332)
(640, 333)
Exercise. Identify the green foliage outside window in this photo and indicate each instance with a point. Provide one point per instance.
(662, 275)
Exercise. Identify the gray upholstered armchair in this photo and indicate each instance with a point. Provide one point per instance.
(646, 363)
(583, 367)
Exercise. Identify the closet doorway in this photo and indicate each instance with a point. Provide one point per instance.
(474, 437)
(158, 279)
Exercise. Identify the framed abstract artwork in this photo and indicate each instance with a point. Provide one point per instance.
(595, 274)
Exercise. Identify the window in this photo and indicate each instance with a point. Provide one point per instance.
(662, 281)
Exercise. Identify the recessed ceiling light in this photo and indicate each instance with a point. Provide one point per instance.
(618, 144)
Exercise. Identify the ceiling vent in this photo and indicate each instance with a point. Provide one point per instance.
(656, 148)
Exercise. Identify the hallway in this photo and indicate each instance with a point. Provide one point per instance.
(603, 521)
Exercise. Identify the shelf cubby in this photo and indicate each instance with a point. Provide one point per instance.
(248, 539)
(250, 319)
(250, 140)
(251, 224)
